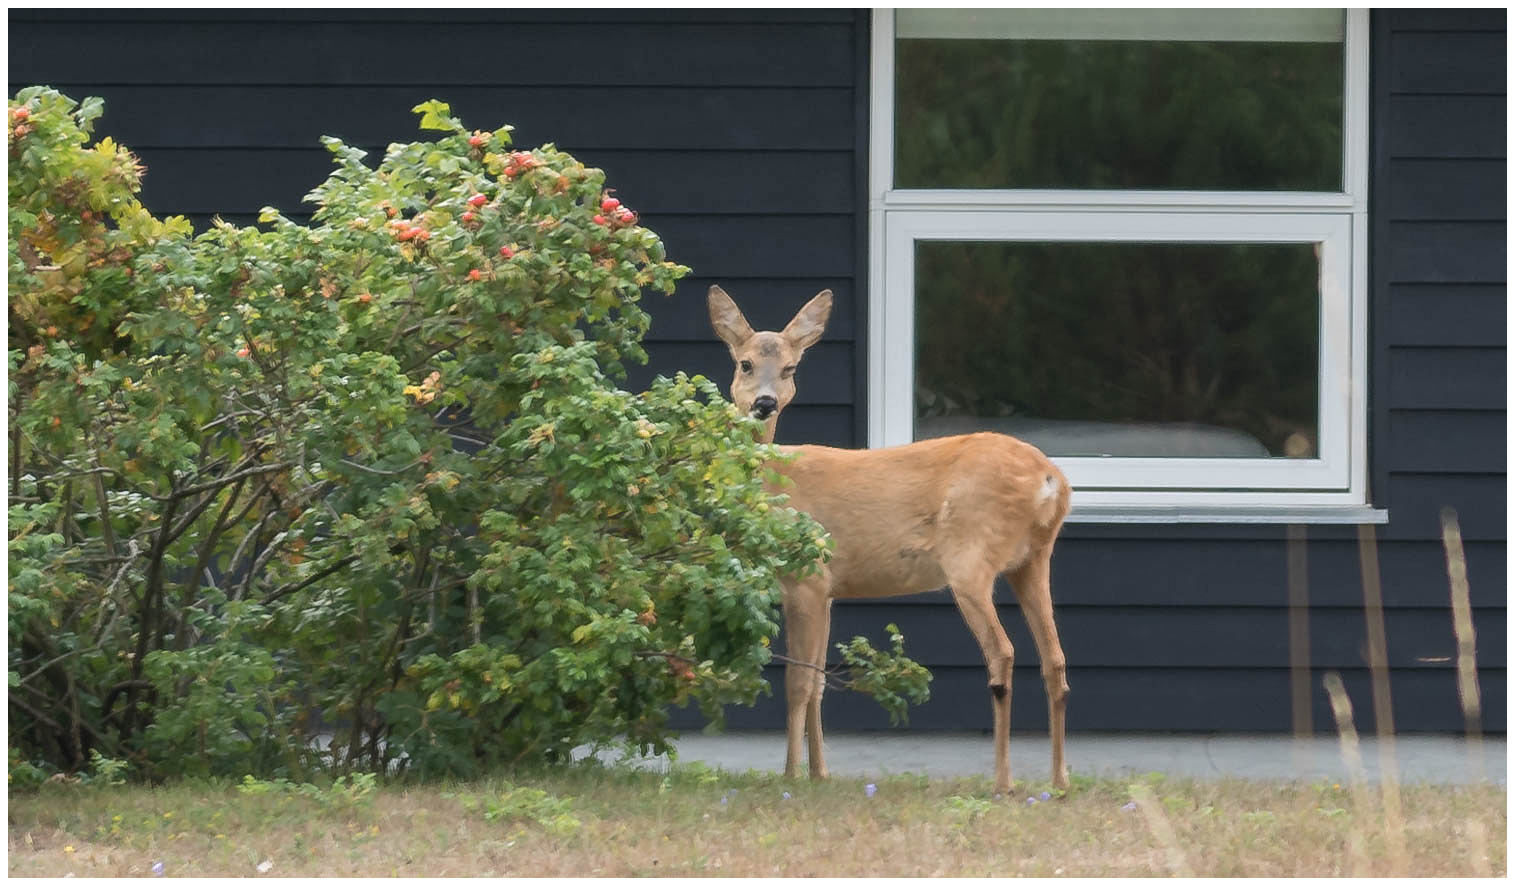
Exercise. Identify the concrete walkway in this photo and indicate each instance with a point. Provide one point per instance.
(1435, 759)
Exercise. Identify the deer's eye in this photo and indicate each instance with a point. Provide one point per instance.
(746, 366)
(788, 372)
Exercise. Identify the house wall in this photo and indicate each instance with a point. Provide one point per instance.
(741, 137)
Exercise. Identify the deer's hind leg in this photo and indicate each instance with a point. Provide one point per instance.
(972, 584)
(1033, 589)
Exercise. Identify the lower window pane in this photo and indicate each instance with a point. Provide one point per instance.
(1121, 349)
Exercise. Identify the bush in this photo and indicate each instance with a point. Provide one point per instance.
(367, 481)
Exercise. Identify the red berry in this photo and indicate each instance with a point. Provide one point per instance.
(475, 275)
(405, 233)
(600, 220)
(511, 171)
(609, 203)
(243, 352)
(478, 141)
(421, 234)
(624, 216)
(21, 114)
(477, 200)
(507, 251)
(365, 297)
(468, 216)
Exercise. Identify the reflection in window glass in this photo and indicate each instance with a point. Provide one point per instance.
(1121, 349)
(1258, 110)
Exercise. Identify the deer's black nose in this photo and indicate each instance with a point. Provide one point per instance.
(763, 407)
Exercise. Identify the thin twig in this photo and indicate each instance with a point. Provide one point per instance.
(1299, 643)
(1467, 641)
(1383, 709)
(223, 481)
(1351, 755)
(110, 595)
(295, 588)
(396, 472)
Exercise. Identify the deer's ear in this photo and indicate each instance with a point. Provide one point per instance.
(726, 318)
(806, 327)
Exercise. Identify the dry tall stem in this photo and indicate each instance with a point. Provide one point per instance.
(1467, 674)
(1299, 645)
(1351, 755)
(1462, 628)
(1162, 831)
(1383, 706)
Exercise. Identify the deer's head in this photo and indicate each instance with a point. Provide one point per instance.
(766, 361)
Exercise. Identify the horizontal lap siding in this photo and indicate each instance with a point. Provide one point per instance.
(1438, 281)
(1142, 699)
(732, 133)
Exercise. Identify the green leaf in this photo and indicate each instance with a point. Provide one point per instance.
(437, 115)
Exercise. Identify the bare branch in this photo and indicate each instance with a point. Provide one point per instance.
(230, 478)
(396, 472)
(295, 588)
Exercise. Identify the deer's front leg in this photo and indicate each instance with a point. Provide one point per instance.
(806, 629)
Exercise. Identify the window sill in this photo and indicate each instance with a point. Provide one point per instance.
(1297, 514)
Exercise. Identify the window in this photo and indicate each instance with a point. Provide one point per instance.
(1134, 238)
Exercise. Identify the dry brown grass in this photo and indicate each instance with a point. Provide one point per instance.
(637, 823)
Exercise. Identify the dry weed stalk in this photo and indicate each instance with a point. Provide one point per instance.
(1351, 755)
(1467, 675)
(1299, 645)
(1162, 831)
(1462, 629)
(1383, 706)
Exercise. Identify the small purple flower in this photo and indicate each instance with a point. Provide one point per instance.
(1129, 807)
(157, 869)
(870, 789)
(723, 801)
(786, 795)
(1030, 801)
(1046, 795)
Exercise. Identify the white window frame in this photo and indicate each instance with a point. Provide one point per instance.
(1331, 487)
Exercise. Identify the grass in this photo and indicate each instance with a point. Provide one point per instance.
(590, 820)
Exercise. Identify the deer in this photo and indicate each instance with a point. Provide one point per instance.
(951, 511)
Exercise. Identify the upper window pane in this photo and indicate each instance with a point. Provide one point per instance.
(1230, 100)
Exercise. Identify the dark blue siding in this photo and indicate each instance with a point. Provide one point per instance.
(742, 138)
